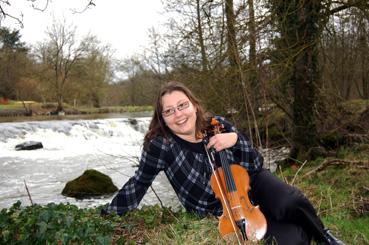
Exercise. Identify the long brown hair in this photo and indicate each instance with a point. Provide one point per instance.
(158, 127)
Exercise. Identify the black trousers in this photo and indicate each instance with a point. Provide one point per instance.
(291, 218)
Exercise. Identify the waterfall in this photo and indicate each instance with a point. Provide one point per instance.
(112, 146)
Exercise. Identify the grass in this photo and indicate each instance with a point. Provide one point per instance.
(339, 192)
(14, 105)
(40, 107)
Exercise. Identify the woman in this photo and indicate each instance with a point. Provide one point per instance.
(174, 144)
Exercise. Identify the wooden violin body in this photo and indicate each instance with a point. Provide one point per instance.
(243, 212)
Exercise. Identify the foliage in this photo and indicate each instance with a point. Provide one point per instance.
(13, 62)
(53, 224)
(67, 224)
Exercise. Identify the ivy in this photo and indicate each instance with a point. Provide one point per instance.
(54, 224)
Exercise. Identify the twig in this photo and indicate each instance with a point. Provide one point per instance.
(320, 203)
(294, 177)
(157, 196)
(326, 163)
(43, 9)
(90, 3)
(29, 195)
(283, 177)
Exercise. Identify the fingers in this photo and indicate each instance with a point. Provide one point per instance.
(222, 141)
(216, 143)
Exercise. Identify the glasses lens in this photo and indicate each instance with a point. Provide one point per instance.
(168, 112)
(183, 105)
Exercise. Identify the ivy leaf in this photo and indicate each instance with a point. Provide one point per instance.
(103, 240)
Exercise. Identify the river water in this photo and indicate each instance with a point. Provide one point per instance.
(111, 146)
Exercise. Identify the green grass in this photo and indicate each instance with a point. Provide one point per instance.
(12, 105)
(340, 193)
(37, 106)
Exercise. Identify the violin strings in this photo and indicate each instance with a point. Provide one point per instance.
(231, 186)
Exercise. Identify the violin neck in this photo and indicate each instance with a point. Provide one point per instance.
(230, 184)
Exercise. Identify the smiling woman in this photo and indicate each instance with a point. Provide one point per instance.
(174, 144)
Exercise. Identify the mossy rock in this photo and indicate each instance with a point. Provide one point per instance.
(91, 183)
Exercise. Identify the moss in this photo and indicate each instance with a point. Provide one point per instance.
(90, 184)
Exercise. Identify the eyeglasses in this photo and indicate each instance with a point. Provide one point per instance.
(180, 107)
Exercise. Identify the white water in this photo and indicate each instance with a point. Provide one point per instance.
(111, 146)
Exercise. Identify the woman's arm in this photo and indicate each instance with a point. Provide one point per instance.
(249, 157)
(151, 163)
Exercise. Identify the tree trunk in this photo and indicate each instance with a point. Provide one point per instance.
(204, 59)
(305, 78)
(253, 76)
(60, 107)
(239, 92)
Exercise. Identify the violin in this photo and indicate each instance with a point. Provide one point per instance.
(230, 183)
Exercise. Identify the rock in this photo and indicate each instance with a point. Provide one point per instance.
(91, 183)
(134, 123)
(29, 145)
(274, 157)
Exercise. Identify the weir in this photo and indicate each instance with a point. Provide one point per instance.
(112, 146)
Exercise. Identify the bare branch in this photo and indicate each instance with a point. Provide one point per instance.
(359, 4)
(90, 4)
(4, 14)
(328, 162)
(43, 9)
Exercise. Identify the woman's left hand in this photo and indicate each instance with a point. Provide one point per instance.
(222, 141)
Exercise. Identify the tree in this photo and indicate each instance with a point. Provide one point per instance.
(13, 59)
(141, 84)
(91, 73)
(300, 24)
(60, 54)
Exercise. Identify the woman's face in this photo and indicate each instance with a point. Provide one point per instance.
(179, 115)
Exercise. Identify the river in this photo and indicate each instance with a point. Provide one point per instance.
(111, 146)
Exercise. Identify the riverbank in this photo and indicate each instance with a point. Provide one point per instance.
(33, 108)
(338, 187)
(34, 111)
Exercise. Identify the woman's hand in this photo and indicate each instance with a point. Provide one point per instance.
(222, 141)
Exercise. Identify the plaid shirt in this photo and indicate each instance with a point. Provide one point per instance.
(187, 170)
